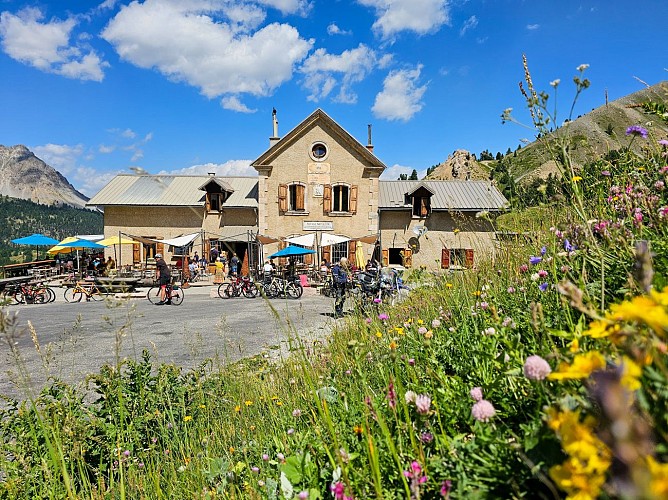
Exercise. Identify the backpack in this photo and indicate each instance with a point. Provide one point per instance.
(339, 275)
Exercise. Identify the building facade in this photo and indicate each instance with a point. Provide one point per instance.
(316, 186)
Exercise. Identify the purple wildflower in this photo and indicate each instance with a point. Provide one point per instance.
(536, 368)
(535, 260)
(476, 393)
(411, 362)
(543, 250)
(296, 413)
(568, 247)
(391, 396)
(511, 289)
(605, 173)
(663, 142)
(483, 410)
(543, 286)
(435, 323)
(303, 495)
(256, 470)
(637, 130)
(426, 437)
(446, 486)
(383, 317)
(422, 330)
(265, 457)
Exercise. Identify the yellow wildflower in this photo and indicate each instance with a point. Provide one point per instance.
(252, 428)
(379, 334)
(658, 484)
(600, 328)
(248, 403)
(631, 372)
(642, 309)
(420, 322)
(231, 449)
(279, 403)
(449, 285)
(428, 335)
(393, 345)
(187, 418)
(583, 365)
(575, 346)
(577, 178)
(237, 408)
(399, 330)
(660, 297)
(358, 429)
(202, 407)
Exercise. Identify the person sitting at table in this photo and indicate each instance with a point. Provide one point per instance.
(111, 264)
(290, 267)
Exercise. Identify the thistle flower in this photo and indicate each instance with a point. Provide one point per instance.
(483, 410)
(536, 368)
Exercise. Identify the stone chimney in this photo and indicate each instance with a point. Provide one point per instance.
(274, 138)
(369, 146)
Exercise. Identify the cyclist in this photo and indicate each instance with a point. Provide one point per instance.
(340, 274)
(164, 276)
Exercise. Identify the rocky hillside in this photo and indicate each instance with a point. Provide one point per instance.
(460, 165)
(598, 132)
(24, 176)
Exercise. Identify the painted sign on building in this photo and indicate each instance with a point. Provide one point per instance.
(310, 225)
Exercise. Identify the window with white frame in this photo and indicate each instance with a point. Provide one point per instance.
(339, 250)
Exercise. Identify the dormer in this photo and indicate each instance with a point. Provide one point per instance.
(217, 192)
(419, 198)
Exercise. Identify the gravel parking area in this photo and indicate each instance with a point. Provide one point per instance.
(76, 339)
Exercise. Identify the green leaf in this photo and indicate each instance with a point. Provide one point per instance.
(286, 487)
(292, 469)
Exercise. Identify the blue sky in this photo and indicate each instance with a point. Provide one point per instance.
(187, 86)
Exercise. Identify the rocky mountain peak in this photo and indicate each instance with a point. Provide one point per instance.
(23, 175)
(461, 165)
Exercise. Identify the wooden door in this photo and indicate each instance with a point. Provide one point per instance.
(136, 255)
(445, 258)
(469, 257)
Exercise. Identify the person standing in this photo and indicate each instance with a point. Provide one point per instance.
(340, 274)
(164, 276)
(234, 264)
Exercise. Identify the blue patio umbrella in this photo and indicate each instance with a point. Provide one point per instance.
(36, 240)
(292, 250)
(82, 245)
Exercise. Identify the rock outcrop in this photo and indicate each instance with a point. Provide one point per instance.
(459, 166)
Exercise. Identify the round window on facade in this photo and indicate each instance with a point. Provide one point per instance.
(318, 151)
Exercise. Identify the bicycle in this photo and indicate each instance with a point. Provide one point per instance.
(173, 292)
(81, 290)
(282, 287)
(241, 285)
(28, 293)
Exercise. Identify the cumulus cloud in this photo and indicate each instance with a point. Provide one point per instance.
(533, 27)
(229, 168)
(333, 29)
(419, 16)
(401, 96)
(105, 150)
(184, 42)
(392, 173)
(288, 6)
(323, 72)
(46, 45)
(469, 24)
(234, 104)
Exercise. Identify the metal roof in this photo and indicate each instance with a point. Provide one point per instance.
(172, 190)
(448, 195)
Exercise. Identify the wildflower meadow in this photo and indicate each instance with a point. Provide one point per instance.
(540, 374)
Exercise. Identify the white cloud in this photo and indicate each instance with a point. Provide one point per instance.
(322, 72)
(60, 156)
(333, 29)
(46, 46)
(401, 96)
(129, 133)
(229, 168)
(105, 150)
(419, 16)
(234, 104)
(181, 40)
(533, 27)
(469, 24)
(392, 173)
(288, 6)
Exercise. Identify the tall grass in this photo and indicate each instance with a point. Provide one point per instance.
(541, 374)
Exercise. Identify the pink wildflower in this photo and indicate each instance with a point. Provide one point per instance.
(435, 323)
(476, 393)
(423, 403)
(483, 410)
(536, 368)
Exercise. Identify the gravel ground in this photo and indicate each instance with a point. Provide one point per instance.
(76, 339)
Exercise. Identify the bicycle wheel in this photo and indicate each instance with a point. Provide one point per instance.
(95, 294)
(250, 290)
(153, 294)
(221, 290)
(40, 295)
(73, 294)
(294, 291)
(176, 296)
(52, 294)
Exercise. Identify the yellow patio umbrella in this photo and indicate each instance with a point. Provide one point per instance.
(115, 240)
(359, 255)
(59, 248)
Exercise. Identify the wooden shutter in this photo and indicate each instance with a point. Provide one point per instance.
(352, 245)
(136, 256)
(299, 195)
(469, 257)
(208, 202)
(281, 246)
(445, 258)
(308, 259)
(160, 248)
(386, 257)
(282, 198)
(408, 257)
(327, 199)
(353, 199)
(327, 254)
(424, 210)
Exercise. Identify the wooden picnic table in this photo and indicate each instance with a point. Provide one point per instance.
(117, 284)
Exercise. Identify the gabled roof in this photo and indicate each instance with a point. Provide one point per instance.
(448, 195)
(224, 185)
(172, 191)
(317, 116)
(420, 185)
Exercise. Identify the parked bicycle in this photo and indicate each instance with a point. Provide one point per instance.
(173, 292)
(282, 287)
(28, 293)
(242, 285)
(83, 289)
